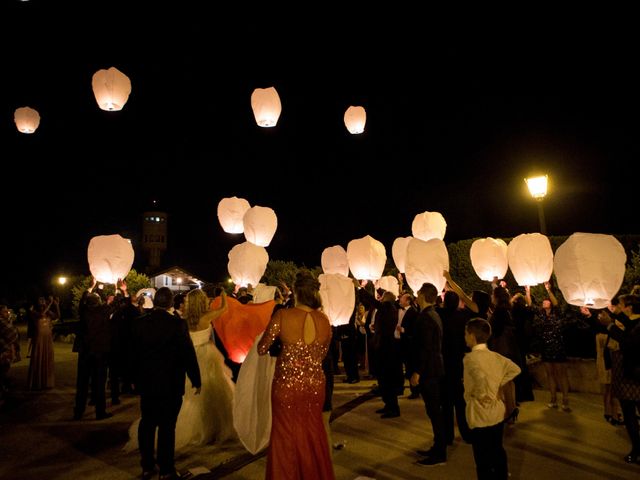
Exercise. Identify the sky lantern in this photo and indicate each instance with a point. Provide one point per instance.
(111, 88)
(590, 268)
(260, 224)
(389, 283)
(355, 119)
(263, 293)
(338, 297)
(425, 263)
(489, 258)
(247, 263)
(27, 119)
(110, 257)
(428, 225)
(231, 212)
(266, 106)
(399, 252)
(334, 260)
(530, 258)
(367, 258)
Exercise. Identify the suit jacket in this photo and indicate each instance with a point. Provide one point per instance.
(162, 353)
(426, 351)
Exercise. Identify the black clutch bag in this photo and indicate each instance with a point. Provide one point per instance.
(275, 348)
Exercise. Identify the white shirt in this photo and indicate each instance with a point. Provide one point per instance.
(484, 373)
(401, 312)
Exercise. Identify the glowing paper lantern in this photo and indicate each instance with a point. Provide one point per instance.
(260, 224)
(590, 269)
(266, 106)
(366, 257)
(425, 263)
(110, 257)
(247, 264)
(111, 88)
(489, 258)
(530, 258)
(334, 260)
(263, 293)
(389, 284)
(231, 212)
(240, 324)
(338, 297)
(355, 119)
(27, 119)
(428, 225)
(399, 252)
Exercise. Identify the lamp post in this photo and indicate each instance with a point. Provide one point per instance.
(538, 189)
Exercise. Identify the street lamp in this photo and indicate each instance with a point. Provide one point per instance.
(538, 189)
(179, 282)
(62, 280)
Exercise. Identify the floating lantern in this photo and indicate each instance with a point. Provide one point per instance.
(399, 252)
(27, 119)
(260, 224)
(389, 284)
(231, 212)
(355, 119)
(266, 106)
(428, 225)
(111, 88)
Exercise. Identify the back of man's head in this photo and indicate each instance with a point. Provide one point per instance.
(163, 298)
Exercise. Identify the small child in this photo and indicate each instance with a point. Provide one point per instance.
(485, 372)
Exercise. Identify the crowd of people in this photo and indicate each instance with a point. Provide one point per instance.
(466, 356)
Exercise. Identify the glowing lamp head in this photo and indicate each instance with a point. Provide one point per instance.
(537, 186)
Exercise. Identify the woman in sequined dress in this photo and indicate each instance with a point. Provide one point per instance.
(298, 446)
(42, 366)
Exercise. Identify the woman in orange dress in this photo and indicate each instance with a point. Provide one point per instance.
(298, 446)
(41, 368)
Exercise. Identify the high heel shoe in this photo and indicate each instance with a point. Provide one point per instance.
(513, 416)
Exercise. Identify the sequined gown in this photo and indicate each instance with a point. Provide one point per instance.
(298, 446)
(42, 367)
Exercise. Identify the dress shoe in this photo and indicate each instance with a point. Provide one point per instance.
(390, 415)
(382, 410)
(103, 415)
(632, 457)
(432, 461)
(425, 453)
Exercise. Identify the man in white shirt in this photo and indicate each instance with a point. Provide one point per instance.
(485, 372)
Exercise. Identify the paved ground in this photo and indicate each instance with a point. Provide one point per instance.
(38, 440)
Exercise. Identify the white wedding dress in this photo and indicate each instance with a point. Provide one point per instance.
(207, 417)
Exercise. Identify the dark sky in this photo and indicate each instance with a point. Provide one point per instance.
(456, 118)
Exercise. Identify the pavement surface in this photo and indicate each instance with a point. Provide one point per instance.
(39, 440)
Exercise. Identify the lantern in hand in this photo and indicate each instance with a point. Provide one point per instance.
(338, 297)
(530, 258)
(247, 264)
(589, 269)
(110, 258)
(334, 260)
(428, 225)
(399, 252)
(489, 258)
(367, 258)
(425, 263)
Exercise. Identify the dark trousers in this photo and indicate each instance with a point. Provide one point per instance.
(431, 391)
(488, 453)
(160, 413)
(91, 367)
(453, 399)
(350, 356)
(631, 423)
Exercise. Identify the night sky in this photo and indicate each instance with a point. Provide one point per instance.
(455, 120)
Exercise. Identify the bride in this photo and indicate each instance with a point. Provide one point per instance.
(206, 417)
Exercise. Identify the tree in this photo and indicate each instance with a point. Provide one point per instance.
(632, 274)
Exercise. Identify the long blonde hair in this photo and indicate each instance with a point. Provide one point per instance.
(196, 305)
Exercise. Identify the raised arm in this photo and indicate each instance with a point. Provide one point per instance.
(212, 315)
(552, 297)
(473, 306)
(527, 295)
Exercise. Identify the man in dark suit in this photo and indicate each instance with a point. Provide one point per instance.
(428, 371)
(162, 353)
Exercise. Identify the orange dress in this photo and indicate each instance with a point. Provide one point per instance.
(298, 447)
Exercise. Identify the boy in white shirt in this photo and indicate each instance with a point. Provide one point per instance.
(485, 372)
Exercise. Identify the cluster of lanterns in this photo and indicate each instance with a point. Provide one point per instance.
(112, 88)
